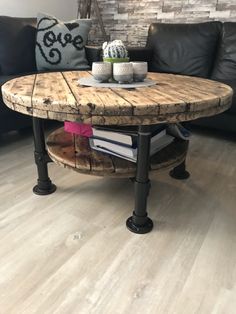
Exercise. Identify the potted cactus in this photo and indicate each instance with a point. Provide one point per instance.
(115, 51)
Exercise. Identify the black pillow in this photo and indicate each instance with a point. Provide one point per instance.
(225, 65)
(183, 48)
(17, 45)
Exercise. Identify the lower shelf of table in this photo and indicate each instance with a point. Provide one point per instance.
(73, 151)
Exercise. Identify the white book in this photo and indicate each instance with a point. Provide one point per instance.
(114, 135)
(125, 135)
(126, 150)
(129, 153)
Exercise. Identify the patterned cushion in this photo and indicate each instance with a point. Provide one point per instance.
(60, 45)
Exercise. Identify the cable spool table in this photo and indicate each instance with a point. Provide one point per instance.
(58, 96)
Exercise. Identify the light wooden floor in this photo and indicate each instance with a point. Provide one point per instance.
(70, 252)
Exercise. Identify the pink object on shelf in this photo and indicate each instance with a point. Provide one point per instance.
(78, 128)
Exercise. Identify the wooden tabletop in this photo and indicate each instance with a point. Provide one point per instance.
(58, 96)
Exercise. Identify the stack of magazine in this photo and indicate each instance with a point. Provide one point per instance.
(123, 141)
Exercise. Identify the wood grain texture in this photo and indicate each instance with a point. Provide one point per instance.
(59, 96)
(74, 152)
(70, 252)
(52, 94)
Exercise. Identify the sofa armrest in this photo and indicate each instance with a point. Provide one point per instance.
(93, 54)
(140, 54)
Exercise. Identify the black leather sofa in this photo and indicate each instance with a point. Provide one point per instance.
(17, 57)
(206, 50)
(17, 42)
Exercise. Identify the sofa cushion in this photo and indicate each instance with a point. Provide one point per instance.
(3, 79)
(231, 83)
(225, 64)
(61, 45)
(183, 48)
(9, 119)
(17, 42)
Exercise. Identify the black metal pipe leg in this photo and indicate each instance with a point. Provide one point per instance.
(180, 172)
(44, 185)
(140, 222)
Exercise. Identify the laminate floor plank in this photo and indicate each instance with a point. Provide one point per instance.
(70, 252)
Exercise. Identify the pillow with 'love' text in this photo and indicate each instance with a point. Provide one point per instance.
(61, 45)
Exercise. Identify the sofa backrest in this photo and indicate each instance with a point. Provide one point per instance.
(188, 49)
(225, 63)
(17, 45)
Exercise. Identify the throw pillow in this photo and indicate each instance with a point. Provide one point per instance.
(60, 45)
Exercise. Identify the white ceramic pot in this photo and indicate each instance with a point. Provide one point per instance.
(102, 71)
(123, 72)
(140, 70)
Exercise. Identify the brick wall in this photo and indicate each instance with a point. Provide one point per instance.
(129, 20)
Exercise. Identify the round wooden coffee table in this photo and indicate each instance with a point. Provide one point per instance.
(58, 96)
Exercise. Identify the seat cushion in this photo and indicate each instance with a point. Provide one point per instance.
(9, 119)
(225, 64)
(4, 79)
(17, 45)
(183, 48)
(61, 45)
(231, 83)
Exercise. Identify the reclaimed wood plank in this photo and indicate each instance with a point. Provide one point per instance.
(195, 91)
(147, 100)
(82, 154)
(96, 101)
(58, 96)
(60, 147)
(64, 116)
(74, 152)
(164, 118)
(18, 92)
(90, 161)
(51, 93)
(101, 163)
(123, 167)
